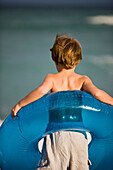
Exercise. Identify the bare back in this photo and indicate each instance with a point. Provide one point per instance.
(67, 81)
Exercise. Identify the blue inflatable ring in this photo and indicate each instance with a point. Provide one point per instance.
(66, 110)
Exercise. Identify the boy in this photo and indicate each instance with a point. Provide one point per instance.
(64, 149)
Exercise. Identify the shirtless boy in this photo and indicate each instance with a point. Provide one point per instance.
(66, 54)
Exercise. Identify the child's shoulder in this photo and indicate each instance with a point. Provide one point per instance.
(83, 78)
(49, 77)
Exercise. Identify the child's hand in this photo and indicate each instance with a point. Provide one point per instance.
(14, 110)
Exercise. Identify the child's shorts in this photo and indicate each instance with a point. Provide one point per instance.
(64, 150)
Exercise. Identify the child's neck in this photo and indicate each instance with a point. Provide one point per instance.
(61, 68)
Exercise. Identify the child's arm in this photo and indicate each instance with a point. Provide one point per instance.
(34, 95)
(88, 86)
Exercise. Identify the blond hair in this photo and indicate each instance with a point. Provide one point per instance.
(66, 51)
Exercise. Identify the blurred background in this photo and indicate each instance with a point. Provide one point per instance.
(27, 32)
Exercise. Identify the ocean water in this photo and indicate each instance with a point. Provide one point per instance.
(26, 35)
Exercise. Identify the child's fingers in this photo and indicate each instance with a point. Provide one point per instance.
(13, 118)
(13, 114)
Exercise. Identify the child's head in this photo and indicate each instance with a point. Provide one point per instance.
(66, 51)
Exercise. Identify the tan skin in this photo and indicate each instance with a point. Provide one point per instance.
(65, 79)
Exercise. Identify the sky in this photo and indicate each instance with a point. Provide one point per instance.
(93, 3)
